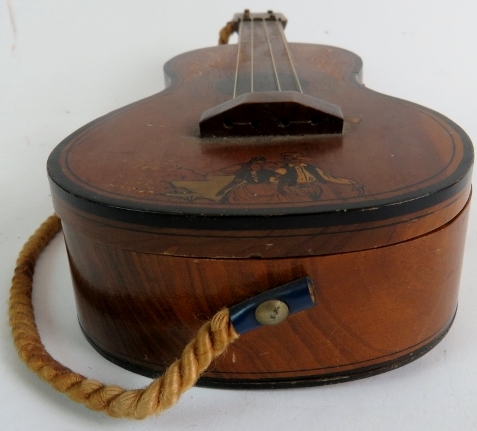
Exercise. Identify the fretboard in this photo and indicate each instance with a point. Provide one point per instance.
(264, 61)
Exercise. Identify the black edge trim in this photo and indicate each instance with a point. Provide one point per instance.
(260, 222)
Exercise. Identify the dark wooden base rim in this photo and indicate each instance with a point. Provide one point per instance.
(295, 382)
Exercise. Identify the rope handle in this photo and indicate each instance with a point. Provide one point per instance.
(225, 33)
(211, 341)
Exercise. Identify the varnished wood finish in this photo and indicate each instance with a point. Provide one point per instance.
(373, 306)
(146, 163)
(164, 227)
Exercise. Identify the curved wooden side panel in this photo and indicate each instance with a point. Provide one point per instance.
(374, 307)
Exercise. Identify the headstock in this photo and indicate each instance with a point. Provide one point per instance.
(248, 16)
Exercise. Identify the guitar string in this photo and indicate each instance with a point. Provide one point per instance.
(272, 56)
(251, 56)
(289, 55)
(238, 58)
(240, 34)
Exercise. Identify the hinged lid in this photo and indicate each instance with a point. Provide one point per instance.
(146, 165)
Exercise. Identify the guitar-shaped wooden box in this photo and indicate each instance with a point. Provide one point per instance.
(261, 163)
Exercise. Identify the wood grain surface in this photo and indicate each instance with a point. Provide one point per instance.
(165, 227)
(373, 306)
(147, 164)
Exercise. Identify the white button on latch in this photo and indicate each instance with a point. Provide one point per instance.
(273, 306)
(271, 312)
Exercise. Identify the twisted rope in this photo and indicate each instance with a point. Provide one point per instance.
(210, 342)
(225, 33)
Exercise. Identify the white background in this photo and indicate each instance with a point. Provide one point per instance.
(64, 63)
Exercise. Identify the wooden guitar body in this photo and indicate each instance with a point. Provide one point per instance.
(207, 194)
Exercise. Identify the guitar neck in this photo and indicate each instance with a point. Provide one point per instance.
(264, 61)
